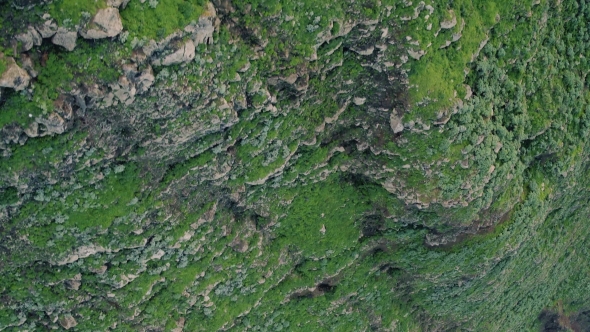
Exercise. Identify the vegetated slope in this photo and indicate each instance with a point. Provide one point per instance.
(344, 166)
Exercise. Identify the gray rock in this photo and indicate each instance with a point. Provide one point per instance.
(47, 29)
(54, 124)
(32, 130)
(202, 31)
(144, 81)
(184, 54)
(117, 3)
(14, 76)
(28, 65)
(416, 55)
(395, 122)
(106, 23)
(124, 90)
(449, 24)
(67, 322)
(359, 101)
(65, 38)
(28, 39)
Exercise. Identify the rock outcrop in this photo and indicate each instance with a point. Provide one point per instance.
(106, 23)
(14, 76)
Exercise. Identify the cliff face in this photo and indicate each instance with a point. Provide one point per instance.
(256, 165)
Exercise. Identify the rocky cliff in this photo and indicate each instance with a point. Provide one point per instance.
(277, 165)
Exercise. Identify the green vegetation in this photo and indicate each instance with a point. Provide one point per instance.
(157, 19)
(71, 12)
(260, 186)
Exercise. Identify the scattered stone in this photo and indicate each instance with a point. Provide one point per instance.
(65, 38)
(14, 76)
(67, 322)
(106, 23)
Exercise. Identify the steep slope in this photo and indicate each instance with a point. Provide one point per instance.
(299, 166)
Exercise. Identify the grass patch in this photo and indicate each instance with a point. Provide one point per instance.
(143, 20)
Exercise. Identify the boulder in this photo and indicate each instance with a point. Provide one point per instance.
(13, 76)
(451, 23)
(184, 54)
(395, 122)
(67, 322)
(54, 124)
(28, 65)
(145, 80)
(65, 38)
(124, 90)
(106, 23)
(47, 29)
(28, 39)
(117, 3)
(416, 55)
(202, 31)
(32, 130)
(359, 101)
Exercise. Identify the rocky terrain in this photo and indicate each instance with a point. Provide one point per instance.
(294, 165)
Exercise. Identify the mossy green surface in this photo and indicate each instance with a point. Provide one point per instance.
(155, 215)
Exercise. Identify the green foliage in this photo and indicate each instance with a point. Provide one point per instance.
(71, 12)
(143, 20)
